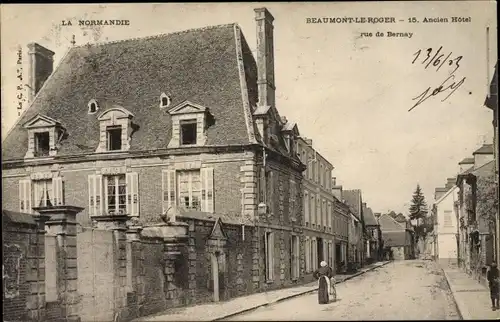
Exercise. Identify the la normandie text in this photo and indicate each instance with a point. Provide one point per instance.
(112, 22)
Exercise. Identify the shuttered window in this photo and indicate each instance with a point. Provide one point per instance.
(114, 194)
(40, 193)
(191, 189)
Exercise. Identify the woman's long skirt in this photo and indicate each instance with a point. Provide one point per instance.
(323, 290)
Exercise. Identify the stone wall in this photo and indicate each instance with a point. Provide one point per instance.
(23, 268)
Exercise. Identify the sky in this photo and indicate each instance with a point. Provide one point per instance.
(350, 94)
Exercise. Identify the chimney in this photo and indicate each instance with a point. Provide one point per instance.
(483, 155)
(450, 183)
(439, 192)
(336, 190)
(41, 64)
(465, 164)
(265, 57)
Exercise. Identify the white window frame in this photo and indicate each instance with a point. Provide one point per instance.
(116, 179)
(313, 209)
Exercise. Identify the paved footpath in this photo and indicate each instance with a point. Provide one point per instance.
(224, 310)
(472, 299)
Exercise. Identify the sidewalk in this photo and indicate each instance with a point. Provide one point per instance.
(472, 299)
(224, 310)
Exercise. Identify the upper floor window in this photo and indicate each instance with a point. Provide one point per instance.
(189, 189)
(42, 144)
(114, 138)
(115, 125)
(188, 132)
(116, 193)
(321, 175)
(44, 134)
(189, 124)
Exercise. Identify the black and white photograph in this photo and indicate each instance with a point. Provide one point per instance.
(250, 161)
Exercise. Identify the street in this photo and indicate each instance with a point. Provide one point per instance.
(401, 290)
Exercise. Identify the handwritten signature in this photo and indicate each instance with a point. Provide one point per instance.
(425, 95)
(449, 85)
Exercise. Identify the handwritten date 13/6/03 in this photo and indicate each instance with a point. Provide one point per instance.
(449, 85)
(437, 59)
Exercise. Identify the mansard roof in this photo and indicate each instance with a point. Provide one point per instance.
(211, 66)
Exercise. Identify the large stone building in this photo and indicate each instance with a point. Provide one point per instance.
(185, 124)
(374, 235)
(319, 225)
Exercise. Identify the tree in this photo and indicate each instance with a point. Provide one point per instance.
(418, 207)
(487, 200)
(418, 212)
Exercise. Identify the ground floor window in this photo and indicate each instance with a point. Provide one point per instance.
(294, 257)
(269, 255)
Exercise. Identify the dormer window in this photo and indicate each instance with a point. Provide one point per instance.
(114, 138)
(115, 125)
(188, 132)
(93, 107)
(189, 125)
(44, 135)
(42, 144)
(164, 100)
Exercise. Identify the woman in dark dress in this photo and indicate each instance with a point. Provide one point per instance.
(323, 275)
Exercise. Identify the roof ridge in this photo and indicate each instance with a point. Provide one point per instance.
(97, 44)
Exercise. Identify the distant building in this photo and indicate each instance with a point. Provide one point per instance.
(357, 238)
(342, 219)
(446, 228)
(374, 235)
(398, 239)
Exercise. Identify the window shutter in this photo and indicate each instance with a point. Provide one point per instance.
(168, 189)
(270, 201)
(291, 257)
(132, 182)
(266, 256)
(92, 204)
(25, 196)
(37, 194)
(207, 192)
(95, 195)
(57, 191)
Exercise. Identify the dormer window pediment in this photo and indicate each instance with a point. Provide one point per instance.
(189, 124)
(44, 134)
(115, 129)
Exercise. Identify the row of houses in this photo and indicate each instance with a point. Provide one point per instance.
(167, 156)
(465, 210)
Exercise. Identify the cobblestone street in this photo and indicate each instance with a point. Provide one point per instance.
(401, 290)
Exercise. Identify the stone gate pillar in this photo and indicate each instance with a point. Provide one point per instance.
(117, 224)
(62, 223)
(175, 238)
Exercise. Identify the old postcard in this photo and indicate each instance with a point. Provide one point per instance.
(250, 161)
